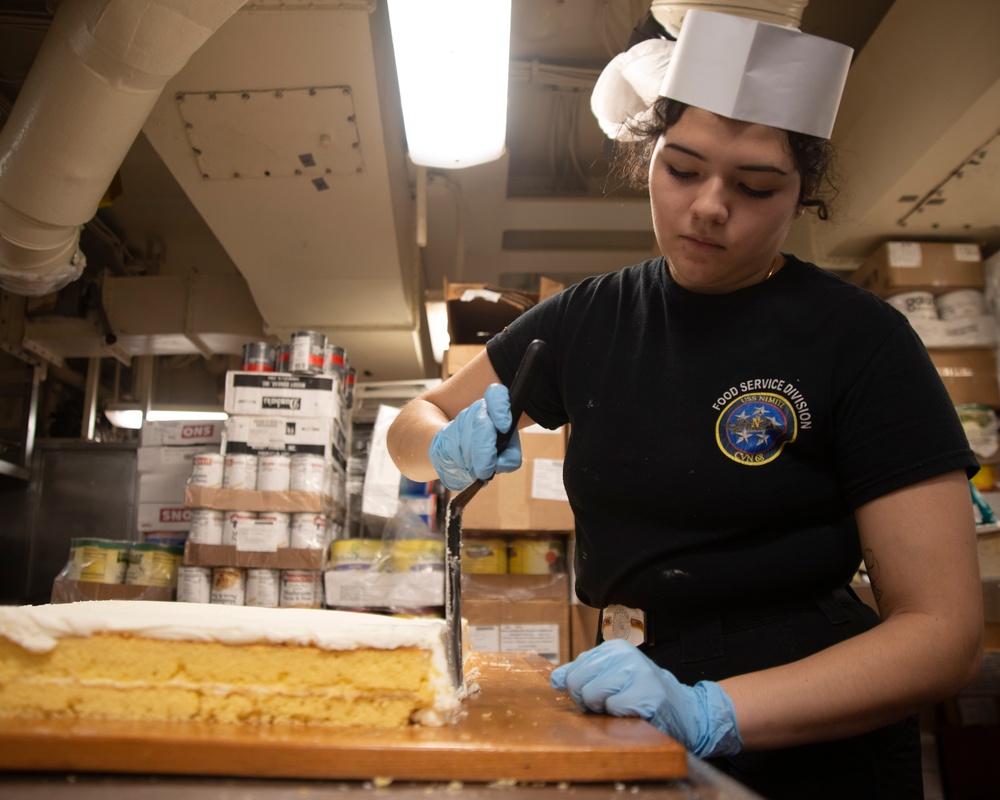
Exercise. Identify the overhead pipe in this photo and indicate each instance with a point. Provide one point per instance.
(100, 70)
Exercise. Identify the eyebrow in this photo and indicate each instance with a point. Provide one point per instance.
(743, 167)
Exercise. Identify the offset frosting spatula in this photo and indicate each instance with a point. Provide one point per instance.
(519, 388)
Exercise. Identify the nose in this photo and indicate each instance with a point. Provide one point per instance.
(710, 202)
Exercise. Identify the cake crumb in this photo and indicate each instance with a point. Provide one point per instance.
(380, 782)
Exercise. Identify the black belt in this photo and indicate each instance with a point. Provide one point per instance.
(700, 632)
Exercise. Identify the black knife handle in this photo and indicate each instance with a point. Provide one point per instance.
(520, 387)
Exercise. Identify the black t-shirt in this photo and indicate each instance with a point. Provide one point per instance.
(720, 444)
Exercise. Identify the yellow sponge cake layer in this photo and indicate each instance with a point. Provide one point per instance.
(180, 661)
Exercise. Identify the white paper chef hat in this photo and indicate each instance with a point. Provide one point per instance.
(733, 66)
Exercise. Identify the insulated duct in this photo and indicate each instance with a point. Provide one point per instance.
(98, 74)
(777, 12)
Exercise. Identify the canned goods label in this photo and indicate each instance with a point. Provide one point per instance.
(153, 565)
(194, 584)
(259, 357)
(274, 473)
(309, 473)
(307, 352)
(207, 469)
(263, 587)
(536, 556)
(98, 560)
(240, 472)
(354, 553)
(266, 534)
(416, 555)
(308, 531)
(484, 556)
(228, 586)
(235, 521)
(301, 588)
(207, 525)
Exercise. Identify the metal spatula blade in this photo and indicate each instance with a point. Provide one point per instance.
(519, 388)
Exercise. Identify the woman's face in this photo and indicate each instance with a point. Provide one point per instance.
(724, 194)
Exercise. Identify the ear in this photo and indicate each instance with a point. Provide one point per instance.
(800, 211)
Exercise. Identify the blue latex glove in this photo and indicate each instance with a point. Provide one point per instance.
(466, 448)
(617, 679)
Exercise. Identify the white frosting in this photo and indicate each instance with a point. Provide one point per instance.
(38, 629)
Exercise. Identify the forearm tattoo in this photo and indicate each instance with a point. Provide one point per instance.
(871, 567)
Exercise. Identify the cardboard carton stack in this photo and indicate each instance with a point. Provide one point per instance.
(298, 419)
(962, 347)
(514, 611)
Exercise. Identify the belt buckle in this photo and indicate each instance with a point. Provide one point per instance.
(622, 622)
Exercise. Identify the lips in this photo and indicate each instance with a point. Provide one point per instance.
(701, 243)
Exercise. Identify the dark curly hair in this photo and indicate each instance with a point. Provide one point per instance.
(813, 156)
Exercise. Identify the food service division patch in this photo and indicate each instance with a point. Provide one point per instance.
(754, 428)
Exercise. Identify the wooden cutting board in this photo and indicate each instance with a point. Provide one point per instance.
(515, 728)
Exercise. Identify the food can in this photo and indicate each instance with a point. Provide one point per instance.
(232, 524)
(283, 357)
(240, 472)
(153, 565)
(259, 357)
(308, 353)
(98, 560)
(961, 303)
(263, 587)
(301, 588)
(348, 391)
(208, 469)
(274, 472)
(980, 425)
(536, 555)
(207, 525)
(228, 586)
(335, 363)
(272, 528)
(308, 531)
(171, 538)
(194, 584)
(354, 553)
(484, 556)
(309, 473)
(416, 555)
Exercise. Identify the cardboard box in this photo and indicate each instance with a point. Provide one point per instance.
(554, 586)
(174, 433)
(531, 498)
(163, 517)
(583, 621)
(69, 591)
(256, 434)
(282, 394)
(478, 311)
(526, 626)
(253, 500)
(162, 487)
(979, 331)
(166, 458)
(352, 588)
(457, 356)
(921, 266)
(226, 555)
(969, 375)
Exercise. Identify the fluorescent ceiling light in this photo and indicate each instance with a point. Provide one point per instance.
(129, 415)
(124, 417)
(453, 60)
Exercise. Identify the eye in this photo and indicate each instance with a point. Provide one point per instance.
(676, 173)
(758, 194)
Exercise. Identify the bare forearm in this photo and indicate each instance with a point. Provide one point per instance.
(409, 438)
(892, 671)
